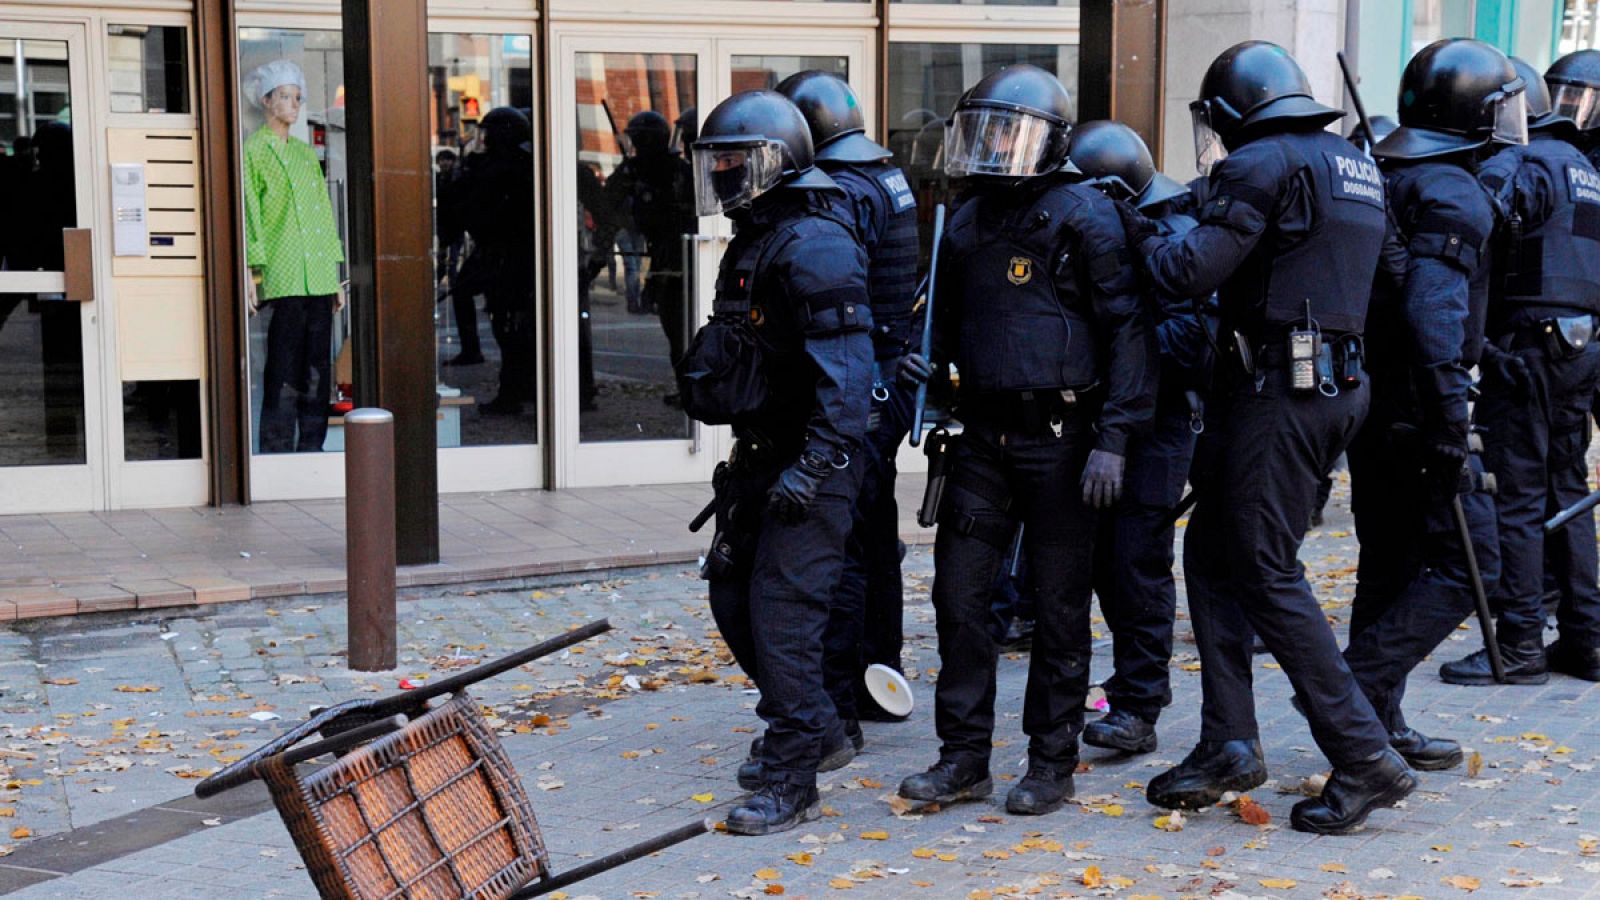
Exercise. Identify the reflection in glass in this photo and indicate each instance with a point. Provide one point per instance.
(485, 252)
(160, 420)
(636, 118)
(925, 80)
(1072, 4)
(41, 335)
(148, 68)
(293, 141)
(763, 72)
(1435, 19)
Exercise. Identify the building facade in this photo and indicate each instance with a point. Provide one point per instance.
(136, 372)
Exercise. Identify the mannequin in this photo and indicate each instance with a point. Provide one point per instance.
(293, 250)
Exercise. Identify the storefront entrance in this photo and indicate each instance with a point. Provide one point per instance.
(646, 266)
(101, 345)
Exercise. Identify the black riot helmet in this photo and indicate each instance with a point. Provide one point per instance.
(833, 113)
(1574, 82)
(1382, 127)
(1251, 89)
(505, 128)
(1112, 157)
(1013, 124)
(1457, 94)
(1541, 112)
(649, 133)
(751, 143)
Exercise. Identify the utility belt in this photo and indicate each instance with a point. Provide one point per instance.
(1031, 411)
(737, 515)
(1561, 336)
(940, 446)
(1319, 362)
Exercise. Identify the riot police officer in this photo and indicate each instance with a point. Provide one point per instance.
(1409, 463)
(1133, 546)
(1540, 372)
(1289, 236)
(1039, 308)
(1574, 82)
(786, 359)
(866, 626)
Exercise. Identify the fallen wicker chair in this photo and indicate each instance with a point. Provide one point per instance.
(420, 801)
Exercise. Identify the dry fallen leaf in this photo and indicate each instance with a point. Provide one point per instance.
(702, 798)
(874, 835)
(773, 889)
(996, 854)
(1474, 764)
(841, 884)
(138, 688)
(61, 682)
(1172, 821)
(1092, 877)
(800, 858)
(1334, 867)
(768, 874)
(1284, 884)
(20, 832)
(1463, 882)
(922, 853)
(1251, 812)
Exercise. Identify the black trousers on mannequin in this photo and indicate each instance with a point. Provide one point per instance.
(300, 363)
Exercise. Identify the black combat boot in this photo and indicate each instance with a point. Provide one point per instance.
(1525, 664)
(1211, 769)
(776, 807)
(1351, 795)
(1575, 660)
(949, 782)
(1043, 790)
(1121, 730)
(838, 751)
(1429, 754)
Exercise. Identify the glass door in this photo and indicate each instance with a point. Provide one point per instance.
(644, 264)
(52, 453)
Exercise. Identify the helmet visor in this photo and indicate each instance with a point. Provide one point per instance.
(1578, 102)
(1003, 142)
(730, 176)
(1511, 118)
(1208, 147)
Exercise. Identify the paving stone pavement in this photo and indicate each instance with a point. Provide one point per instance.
(133, 702)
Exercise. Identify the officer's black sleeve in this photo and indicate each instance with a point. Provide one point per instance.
(825, 280)
(1452, 222)
(1242, 192)
(1126, 328)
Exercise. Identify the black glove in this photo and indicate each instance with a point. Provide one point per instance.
(792, 493)
(1135, 224)
(1505, 367)
(1102, 479)
(913, 371)
(1445, 457)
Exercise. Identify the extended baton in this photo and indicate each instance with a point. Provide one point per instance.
(927, 323)
(1572, 512)
(1355, 100)
(1479, 596)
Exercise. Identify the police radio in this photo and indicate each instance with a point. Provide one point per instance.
(1303, 347)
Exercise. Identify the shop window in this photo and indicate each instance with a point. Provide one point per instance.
(160, 420)
(294, 177)
(762, 72)
(485, 247)
(926, 79)
(637, 112)
(148, 68)
(1435, 19)
(1056, 3)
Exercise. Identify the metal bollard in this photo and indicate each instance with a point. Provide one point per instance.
(369, 538)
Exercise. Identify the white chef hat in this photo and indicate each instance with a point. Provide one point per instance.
(268, 77)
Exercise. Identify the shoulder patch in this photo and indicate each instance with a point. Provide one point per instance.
(894, 184)
(1354, 178)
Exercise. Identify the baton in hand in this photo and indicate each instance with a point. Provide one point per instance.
(927, 324)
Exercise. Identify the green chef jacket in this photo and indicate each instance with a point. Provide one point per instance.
(290, 236)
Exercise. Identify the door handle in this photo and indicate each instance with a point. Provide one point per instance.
(77, 246)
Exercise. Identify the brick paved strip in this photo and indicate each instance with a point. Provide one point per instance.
(156, 559)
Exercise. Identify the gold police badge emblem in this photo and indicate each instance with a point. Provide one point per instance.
(1020, 271)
